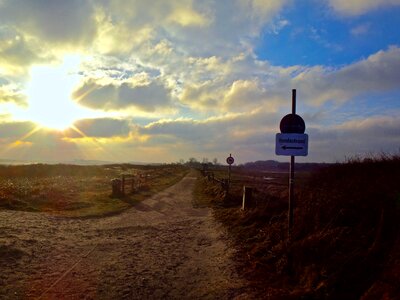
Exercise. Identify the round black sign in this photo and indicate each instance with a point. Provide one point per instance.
(230, 160)
(292, 123)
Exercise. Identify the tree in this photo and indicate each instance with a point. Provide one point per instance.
(192, 160)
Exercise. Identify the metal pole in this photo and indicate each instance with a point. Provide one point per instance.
(291, 178)
(229, 171)
(291, 196)
(293, 101)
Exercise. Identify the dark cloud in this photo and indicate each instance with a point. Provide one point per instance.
(15, 52)
(56, 21)
(215, 131)
(16, 129)
(100, 128)
(94, 95)
(188, 130)
(148, 98)
(353, 138)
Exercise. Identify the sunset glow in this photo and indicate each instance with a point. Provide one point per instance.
(49, 95)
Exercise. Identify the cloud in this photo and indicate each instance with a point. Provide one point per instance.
(202, 96)
(360, 29)
(225, 130)
(378, 72)
(11, 93)
(137, 13)
(245, 93)
(148, 97)
(233, 85)
(123, 26)
(375, 135)
(251, 136)
(16, 55)
(358, 7)
(27, 141)
(55, 22)
(184, 15)
(378, 126)
(15, 130)
(220, 27)
(43, 145)
(100, 128)
(154, 37)
(41, 32)
(260, 11)
(244, 84)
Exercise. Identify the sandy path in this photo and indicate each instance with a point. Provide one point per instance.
(162, 248)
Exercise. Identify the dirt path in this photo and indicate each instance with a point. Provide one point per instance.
(162, 248)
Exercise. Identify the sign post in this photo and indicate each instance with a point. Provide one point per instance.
(291, 179)
(292, 141)
(229, 160)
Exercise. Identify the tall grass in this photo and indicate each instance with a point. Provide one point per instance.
(345, 242)
(347, 226)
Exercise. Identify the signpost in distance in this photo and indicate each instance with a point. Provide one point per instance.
(229, 160)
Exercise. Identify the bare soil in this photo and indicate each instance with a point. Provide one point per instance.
(162, 248)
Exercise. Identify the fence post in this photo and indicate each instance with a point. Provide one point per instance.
(225, 185)
(247, 197)
(116, 187)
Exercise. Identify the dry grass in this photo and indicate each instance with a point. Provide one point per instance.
(345, 243)
(77, 191)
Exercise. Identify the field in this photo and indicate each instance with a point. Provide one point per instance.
(78, 191)
(345, 242)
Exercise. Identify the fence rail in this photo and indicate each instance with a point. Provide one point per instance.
(135, 182)
(249, 187)
(211, 177)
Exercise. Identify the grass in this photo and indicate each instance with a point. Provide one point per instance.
(345, 243)
(78, 191)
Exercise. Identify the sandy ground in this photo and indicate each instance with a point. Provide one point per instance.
(162, 248)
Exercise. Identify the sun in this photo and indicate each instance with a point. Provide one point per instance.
(49, 95)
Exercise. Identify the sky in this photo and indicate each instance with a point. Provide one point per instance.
(168, 80)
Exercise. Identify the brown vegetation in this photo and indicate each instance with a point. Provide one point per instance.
(345, 243)
(78, 191)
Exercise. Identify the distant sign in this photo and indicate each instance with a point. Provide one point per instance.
(230, 160)
(292, 123)
(291, 144)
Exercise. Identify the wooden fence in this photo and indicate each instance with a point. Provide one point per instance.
(252, 186)
(127, 181)
(224, 182)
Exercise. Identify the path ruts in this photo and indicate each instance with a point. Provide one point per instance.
(162, 248)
